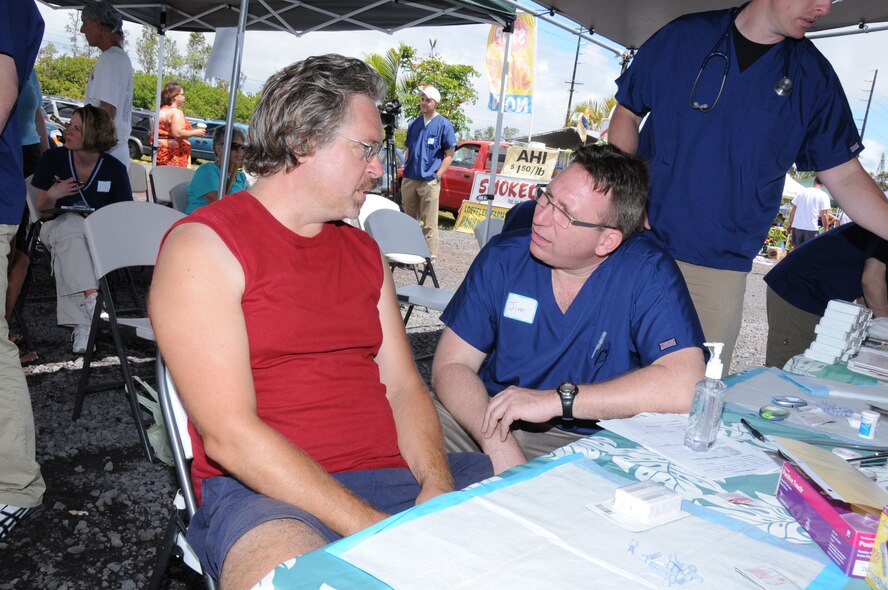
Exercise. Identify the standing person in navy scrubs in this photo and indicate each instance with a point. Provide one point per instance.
(431, 143)
(733, 99)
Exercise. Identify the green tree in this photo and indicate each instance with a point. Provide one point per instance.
(390, 66)
(79, 46)
(147, 47)
(452, 80)
(487, 134)
(881, 174)
(197, 53)
(63, 75)
(598, 111)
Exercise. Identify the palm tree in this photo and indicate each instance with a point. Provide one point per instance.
(389, 65)
(597, 111)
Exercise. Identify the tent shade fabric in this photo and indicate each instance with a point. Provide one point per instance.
(630, 22)
(300, 18)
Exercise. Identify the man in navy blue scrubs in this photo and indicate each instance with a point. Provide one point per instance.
(733, 99)
(577, 318)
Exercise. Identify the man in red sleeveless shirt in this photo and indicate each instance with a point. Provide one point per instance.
(280, 326)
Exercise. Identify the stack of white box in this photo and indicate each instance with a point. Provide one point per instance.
(840, 332)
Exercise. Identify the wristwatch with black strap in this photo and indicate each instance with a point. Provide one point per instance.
(567, 391)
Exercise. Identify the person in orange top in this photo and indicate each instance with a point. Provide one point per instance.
(174, 148)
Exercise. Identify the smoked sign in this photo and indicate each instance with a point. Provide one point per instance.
(509, 190)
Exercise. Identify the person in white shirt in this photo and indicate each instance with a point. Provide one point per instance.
(808, 208)
(110, 85)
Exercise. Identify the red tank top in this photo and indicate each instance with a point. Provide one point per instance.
(314, 332)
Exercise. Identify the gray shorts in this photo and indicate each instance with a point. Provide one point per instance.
(230, 509)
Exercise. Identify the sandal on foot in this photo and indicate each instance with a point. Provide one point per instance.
(11, 516)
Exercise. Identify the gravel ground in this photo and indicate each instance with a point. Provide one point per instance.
(106, 508)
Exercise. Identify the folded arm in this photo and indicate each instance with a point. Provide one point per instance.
(456, 383)
(875, 290)
(204, 342)
(666, 385)
(623, 129)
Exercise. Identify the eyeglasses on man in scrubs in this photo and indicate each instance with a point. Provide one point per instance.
(559, 215)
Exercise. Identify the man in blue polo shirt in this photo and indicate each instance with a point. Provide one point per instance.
(431, 143)
(576, 319)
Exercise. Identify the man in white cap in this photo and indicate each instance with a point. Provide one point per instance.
(431, 142)
(110, 85)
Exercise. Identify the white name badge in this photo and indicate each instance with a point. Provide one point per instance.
(430, 141)
(521, 308)
(103, 186)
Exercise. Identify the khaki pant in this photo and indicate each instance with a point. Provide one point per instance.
(420, 199)
(535, 439)
(790, 330)
(20, 481)
(718, 298)
(72, 267)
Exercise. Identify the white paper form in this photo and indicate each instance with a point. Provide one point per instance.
(756, 391)
(664, 434)
(538, 533)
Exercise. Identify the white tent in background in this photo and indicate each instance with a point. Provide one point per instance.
(791, 187)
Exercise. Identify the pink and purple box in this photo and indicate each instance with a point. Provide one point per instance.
(846, 536)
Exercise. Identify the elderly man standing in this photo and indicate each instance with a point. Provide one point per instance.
(308, 416)
(110, 85)
(734, 98)
(431, 143)
(576, 319)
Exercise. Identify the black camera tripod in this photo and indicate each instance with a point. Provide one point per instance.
(393, 190)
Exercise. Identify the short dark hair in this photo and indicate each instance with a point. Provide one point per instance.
(169, 92)
(99, 133)
(302, 108)
(623, 178)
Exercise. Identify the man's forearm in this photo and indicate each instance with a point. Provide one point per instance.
(420, 439)
(623, 130)
(8, 90)
(875, 290)
(858, 195)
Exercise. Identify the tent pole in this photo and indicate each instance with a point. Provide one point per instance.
(161, 30)
(498, 134)
(232, 98)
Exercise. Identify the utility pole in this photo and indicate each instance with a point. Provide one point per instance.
(868, 101)
(573, 78)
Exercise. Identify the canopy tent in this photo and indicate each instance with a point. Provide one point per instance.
(297, 18)
(630, 22)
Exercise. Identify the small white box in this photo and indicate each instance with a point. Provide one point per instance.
(826, 348)
(821, 357)
(647, 502)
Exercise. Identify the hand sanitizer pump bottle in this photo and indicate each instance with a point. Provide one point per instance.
(709, 399)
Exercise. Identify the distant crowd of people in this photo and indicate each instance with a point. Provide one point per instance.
(280, 324)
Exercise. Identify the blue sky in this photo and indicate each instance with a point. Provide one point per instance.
(854, 57)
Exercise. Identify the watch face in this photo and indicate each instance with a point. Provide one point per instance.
(567, 389)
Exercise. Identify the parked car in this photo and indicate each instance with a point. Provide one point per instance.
(56, 135)
(141, 133)
(202, 147)
(59, 108)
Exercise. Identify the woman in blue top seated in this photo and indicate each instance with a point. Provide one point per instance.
(204, 187)
(74, 181)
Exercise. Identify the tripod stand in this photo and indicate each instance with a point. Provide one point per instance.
(392, 189)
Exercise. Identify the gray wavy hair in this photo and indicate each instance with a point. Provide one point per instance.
(219, 135)
(302, 108)
(106, 14)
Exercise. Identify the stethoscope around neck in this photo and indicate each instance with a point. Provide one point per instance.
(782, 87)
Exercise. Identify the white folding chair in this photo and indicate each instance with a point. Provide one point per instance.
(400, 238)
(138, 177)
(164, 178)
(185, 501)
(122, 235)
(374, 203)
(179, 196)
(496, 226)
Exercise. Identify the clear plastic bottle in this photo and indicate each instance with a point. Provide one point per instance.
(709, 400)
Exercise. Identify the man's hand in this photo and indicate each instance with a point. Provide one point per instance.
(518, 403)
(430, 491)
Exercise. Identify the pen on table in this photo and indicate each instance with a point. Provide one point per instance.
(752, 429)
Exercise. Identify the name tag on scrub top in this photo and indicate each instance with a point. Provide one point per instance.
(103, 186)
(521, 308)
